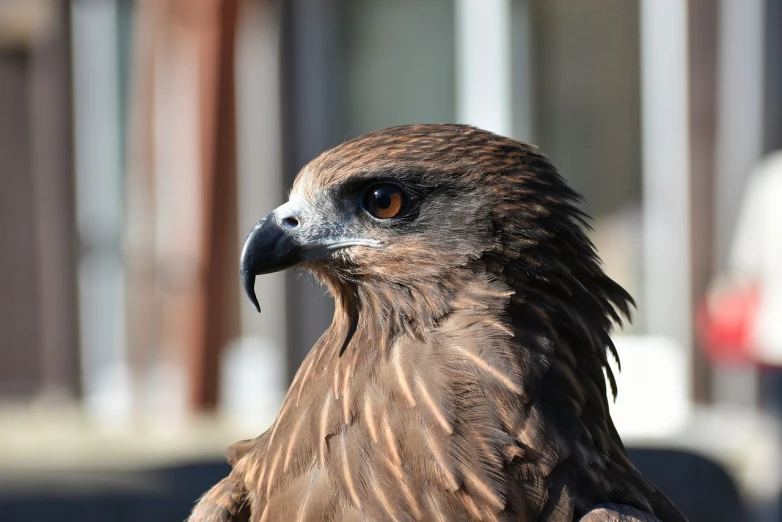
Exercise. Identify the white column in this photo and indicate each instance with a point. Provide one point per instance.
(99, 210)
(666, 305)
(739, 145)
(483, 64)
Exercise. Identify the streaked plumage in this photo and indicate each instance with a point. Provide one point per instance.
(464, 374)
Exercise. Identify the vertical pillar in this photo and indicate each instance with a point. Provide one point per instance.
(739, 146)
(483, 64)
(666, 170)
(99, 210)
(54, 201)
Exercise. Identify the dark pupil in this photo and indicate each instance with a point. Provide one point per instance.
(382, 199)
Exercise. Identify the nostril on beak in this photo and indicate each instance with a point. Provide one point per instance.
(290, 222)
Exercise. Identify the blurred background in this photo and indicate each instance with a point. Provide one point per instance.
(140, 140)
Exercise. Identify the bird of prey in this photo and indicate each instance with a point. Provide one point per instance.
(464, 374)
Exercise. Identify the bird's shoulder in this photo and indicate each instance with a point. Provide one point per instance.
(225, 502)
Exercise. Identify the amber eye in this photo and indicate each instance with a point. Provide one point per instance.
(385, 201)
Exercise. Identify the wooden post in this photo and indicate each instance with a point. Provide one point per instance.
(185, 243)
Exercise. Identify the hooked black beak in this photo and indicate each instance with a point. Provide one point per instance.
(269, 247)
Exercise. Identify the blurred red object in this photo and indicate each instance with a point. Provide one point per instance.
(725, 323)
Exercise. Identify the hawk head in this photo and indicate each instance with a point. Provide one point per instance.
(400, 217)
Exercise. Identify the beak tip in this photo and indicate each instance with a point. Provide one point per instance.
(248, 281)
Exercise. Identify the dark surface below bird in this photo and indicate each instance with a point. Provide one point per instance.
(464, 374)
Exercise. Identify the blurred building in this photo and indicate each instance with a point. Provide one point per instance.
(141, 140)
